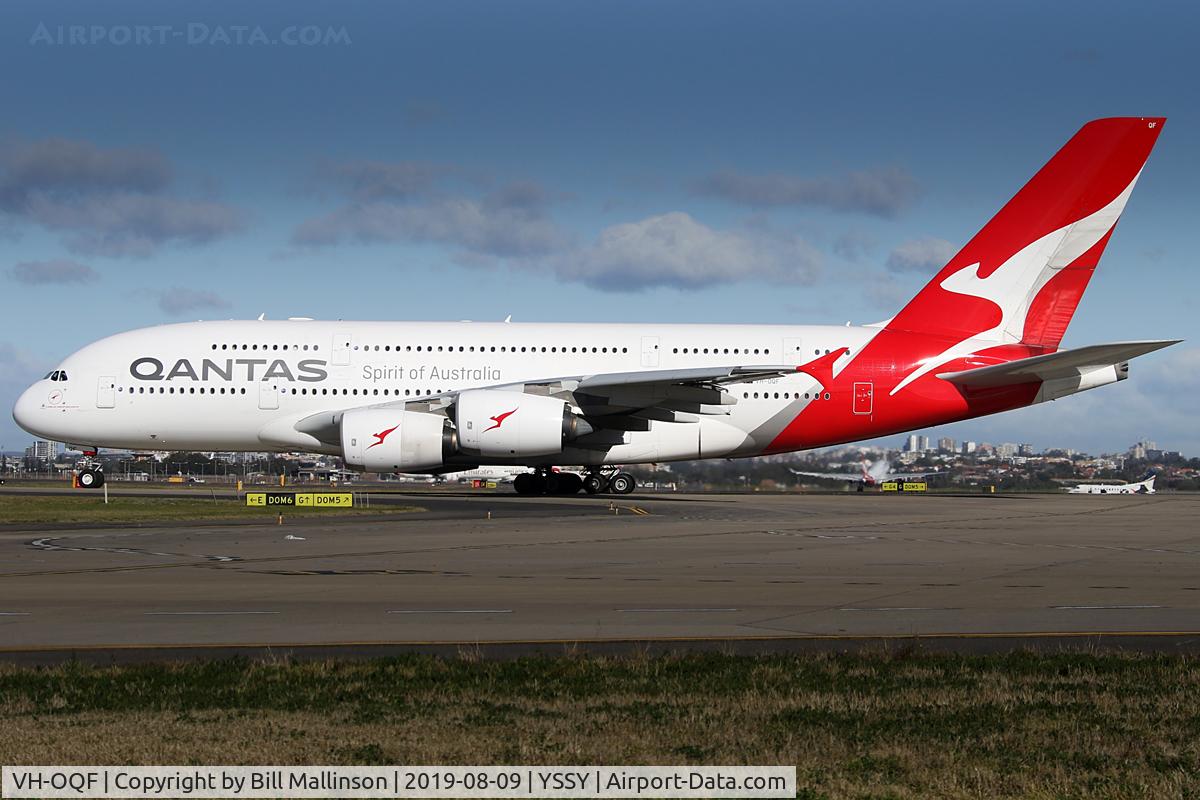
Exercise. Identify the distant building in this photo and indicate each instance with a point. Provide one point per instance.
(1025, 450)
(42, 450)
(913, 444)
(1006, 450)
(945, 445)
(923, 443)
(968, 448)
(1142, 450)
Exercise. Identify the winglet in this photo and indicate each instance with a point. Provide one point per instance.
(821, 367)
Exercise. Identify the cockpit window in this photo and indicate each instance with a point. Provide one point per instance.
(62, 375)
(49, 376)
(57, 375)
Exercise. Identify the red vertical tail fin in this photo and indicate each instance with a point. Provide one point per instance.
(1020, 279)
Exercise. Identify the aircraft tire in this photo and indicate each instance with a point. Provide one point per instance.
(569, 483)
(528, 483)
(622, 483)
(594, 484)
(91, 479)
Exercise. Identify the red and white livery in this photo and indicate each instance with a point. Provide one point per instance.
(982, 337)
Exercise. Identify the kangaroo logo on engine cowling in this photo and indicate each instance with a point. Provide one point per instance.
(381, 436)
(498, 420)
(309, 370)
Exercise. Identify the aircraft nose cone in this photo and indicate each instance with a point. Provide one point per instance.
(25, 412)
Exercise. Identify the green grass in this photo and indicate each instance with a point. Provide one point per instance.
(24, 509)
(856, 726)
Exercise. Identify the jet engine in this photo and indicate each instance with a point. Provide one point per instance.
(384, 440)
(497, 424)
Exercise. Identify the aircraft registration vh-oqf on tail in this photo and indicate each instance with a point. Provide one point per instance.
(982, 337)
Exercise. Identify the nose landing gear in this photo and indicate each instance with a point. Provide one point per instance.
(89, 474)
(89, 477)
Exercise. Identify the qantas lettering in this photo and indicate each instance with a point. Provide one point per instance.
(311, 370)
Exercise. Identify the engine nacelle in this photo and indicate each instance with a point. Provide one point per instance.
(384, 440)
(499, 424)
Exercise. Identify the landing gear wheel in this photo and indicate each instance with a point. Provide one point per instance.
(91, 479)
(594, 484)
(622, 483)
(569, 483)
(529, 483)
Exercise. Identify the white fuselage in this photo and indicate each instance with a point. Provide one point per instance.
(1144, 487)
(220, 385)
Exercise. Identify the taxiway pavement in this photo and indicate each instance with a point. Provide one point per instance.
(750, 572)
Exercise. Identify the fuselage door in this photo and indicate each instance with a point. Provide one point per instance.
(793, 351)
(268, 393)
(341, 349)
(864, 397)
(649, 351)
(106, 391)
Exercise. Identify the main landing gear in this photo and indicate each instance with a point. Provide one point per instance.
(545, 480)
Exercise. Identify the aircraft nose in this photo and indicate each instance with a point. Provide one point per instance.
(25, 412)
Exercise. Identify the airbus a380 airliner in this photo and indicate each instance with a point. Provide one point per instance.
(982, 337)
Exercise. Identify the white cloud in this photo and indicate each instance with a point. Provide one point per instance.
(109, 202)
(927, 255)
(460, 222)
(409, 202)
(881, 192)
(177, 299)
(854, 245)
(675, 250)
(36, 273)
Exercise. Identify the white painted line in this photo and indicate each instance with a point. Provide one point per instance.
(900, 608)
(453, 611)
(15, 613)
(201, 613)
(1098, 608)
(671, 610)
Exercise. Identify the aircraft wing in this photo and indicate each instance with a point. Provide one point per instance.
(850, 476)
(614, 401)
(673, 395)
(911, 476)
(1063, 364)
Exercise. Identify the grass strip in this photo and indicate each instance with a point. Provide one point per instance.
(893, 725)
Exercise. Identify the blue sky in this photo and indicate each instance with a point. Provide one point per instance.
(783, 162)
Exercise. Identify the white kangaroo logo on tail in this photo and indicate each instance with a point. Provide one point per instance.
(1015, 283)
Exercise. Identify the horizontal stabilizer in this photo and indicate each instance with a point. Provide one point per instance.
(1063, 364)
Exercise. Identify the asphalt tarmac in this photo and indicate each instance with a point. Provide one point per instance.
(748, 573)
